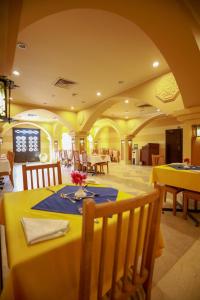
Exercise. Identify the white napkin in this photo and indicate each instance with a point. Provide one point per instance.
(37, 230)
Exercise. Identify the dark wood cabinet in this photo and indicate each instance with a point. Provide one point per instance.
(147, 151)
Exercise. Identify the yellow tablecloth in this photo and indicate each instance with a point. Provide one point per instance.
(186, 179)
(50, 269)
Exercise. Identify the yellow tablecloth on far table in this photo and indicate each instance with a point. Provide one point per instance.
(186, 179)
(50, 269)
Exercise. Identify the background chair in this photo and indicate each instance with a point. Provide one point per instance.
(10, 157)
(156, 159)
(77, 162)
(139, 255)
(37, 176)
(174, 191)
(187, 195)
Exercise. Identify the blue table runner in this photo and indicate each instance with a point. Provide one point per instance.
(184, 167)
(55, 203)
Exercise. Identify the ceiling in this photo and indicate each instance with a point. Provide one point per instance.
(98, 50)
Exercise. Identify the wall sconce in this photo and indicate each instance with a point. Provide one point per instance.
(129, 142)
(1, 140)
(122, 142)
(5, 95)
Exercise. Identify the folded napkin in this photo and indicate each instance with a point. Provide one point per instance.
(37, 230)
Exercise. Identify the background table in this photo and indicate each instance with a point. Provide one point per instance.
(186, 179)
(50, 269)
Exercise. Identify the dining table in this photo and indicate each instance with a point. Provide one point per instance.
(50, 269)
(178, 175)
(4, 166)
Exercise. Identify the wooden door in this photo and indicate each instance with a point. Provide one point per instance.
(26, 144)
(174, 145)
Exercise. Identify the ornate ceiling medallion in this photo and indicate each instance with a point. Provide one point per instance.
(167, 88)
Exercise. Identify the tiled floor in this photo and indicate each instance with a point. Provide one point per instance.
(177, 271)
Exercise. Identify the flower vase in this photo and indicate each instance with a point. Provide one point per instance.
(80, 193)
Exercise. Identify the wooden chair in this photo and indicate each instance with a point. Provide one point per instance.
(174, 191)
(41, 175)
(11, 157)
(77, 163)
(187, 195)
(138, 255)
(86, 165)
(156, 159)
(66, 159)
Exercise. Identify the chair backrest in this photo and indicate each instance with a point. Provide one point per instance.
(10, 157)
(36, 176)
(84, 157)
(133, 249)
(76, 156)
(156, 159)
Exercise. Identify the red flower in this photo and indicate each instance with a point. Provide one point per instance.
(78, 178)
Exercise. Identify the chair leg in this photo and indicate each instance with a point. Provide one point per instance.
(185, 206)
(165, 196)
(174, 203)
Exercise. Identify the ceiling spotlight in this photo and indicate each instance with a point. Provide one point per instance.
(16, 73)
(98, 94)
(126, 117)
(21, 45)
(126, 101)
(72, 107)
(155, 64)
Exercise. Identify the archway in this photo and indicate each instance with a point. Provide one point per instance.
(151, 17)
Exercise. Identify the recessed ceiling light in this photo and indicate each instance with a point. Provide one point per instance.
(21, 45)
(126, 101)
(16, 73)
(126, 117)
(155, 64)
(72, 107)
(98, 94)
(158, 109)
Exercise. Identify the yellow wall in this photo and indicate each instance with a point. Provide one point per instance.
(8, 140)
(108, 138)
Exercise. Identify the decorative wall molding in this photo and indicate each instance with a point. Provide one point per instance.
(167, 88)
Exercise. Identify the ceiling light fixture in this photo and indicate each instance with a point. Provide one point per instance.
(126, 101)
(16, 73)
(21, 45)
(126, 117)
(72, 107)
(155, 64)
(98, 94)
(158, 109)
